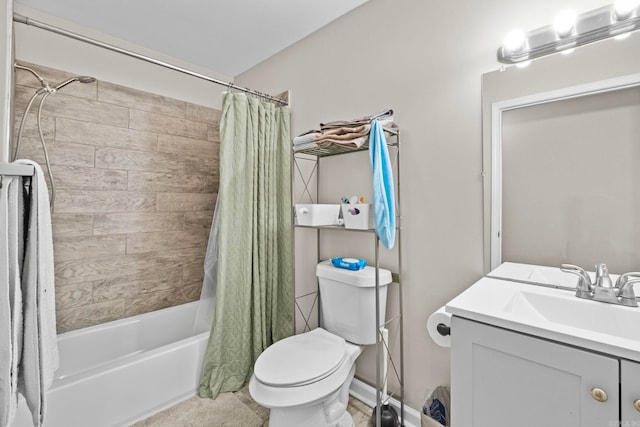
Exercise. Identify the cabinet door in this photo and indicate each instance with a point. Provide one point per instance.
(501, 378)
(630, 395)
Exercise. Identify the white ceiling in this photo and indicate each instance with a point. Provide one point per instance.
(226, 36)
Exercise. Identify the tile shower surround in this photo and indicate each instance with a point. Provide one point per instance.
(136, 179)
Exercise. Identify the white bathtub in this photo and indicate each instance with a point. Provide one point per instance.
(123, 371)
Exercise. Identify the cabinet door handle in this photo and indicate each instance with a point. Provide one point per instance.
(599, 394)
(636, 404)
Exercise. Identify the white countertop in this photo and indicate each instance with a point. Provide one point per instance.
(549, 312)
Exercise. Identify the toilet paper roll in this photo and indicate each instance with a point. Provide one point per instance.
(434, 320)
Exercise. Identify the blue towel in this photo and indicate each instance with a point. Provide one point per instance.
(384, 201)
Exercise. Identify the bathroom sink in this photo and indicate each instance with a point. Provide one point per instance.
(566, 309)
(551, 313)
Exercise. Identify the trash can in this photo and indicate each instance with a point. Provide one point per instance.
(436, 409)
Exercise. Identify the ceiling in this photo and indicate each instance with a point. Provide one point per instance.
(226, 36)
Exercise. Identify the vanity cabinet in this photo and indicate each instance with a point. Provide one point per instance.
(501, 378)
(630, 393)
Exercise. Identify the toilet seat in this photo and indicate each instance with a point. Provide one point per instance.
(301, 359)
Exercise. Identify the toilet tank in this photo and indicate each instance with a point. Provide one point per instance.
(348, 301)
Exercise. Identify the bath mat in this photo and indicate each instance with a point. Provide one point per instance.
(225, 411)
(232, 410)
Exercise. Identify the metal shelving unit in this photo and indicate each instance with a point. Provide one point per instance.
(384, 349)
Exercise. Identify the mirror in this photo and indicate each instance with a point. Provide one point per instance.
(561, 148)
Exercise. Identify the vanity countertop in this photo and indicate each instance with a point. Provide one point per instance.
(553, 313)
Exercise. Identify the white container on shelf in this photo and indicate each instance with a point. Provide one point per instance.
(317, 214)
(358, 216)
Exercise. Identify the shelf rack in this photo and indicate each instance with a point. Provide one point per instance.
(396, 363)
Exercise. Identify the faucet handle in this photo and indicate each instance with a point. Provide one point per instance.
(625, 288)
(626, 277)
(626, 293)
(584, 286)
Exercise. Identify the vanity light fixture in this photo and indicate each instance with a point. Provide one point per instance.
(623, 9)
(570, 31)
(565, 24)
(515, 41)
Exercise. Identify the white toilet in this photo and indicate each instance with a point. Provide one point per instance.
(305, 379)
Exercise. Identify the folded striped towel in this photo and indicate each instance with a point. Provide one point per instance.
(383, 115)
(306, 137)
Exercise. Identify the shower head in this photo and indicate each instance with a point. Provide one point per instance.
(81, 79)
(47, 87)
(86, 79)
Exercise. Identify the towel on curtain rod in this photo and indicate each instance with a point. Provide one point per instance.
(28, 341)
(11, 249)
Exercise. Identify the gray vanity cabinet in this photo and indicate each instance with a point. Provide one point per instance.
(630, 393)
(501, 378)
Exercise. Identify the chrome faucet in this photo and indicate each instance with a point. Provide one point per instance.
(603, 289)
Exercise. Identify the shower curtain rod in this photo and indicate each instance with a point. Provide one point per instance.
(28, 21)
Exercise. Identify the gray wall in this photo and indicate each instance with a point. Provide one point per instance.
(424, 59)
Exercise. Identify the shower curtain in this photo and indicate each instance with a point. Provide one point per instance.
(254, 294)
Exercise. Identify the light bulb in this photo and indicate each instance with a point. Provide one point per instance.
(564, 23)
(624, 8)
(514, 41)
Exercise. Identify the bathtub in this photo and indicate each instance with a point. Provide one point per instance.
(123, 371)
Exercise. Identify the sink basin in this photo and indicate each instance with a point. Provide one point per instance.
(578, 313)
(551, 313)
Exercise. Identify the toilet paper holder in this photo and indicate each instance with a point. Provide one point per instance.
(443, 329)
(439, 327)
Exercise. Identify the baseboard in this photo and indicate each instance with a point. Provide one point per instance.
(367, 394)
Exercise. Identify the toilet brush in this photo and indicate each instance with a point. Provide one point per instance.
(388, 414)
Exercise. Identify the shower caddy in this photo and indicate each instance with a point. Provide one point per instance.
(392, 363)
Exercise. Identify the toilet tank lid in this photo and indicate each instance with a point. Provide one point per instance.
(364, 278)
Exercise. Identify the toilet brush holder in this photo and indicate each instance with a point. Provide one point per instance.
(388, 416)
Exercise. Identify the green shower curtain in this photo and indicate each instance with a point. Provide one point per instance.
(254, 294)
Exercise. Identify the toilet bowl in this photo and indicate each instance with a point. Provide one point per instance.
(305, 380)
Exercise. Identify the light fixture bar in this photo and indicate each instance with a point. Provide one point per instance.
(598, 24)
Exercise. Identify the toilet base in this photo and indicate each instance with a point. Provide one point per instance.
(329, 412)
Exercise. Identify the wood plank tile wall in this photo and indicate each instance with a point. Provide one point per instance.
(136, 179)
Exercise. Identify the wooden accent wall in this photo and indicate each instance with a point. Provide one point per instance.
(136, 179)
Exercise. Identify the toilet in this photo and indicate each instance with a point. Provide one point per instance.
(305, 379)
